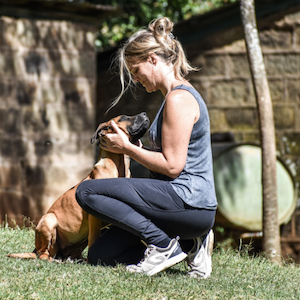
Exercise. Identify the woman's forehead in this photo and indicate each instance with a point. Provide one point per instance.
(132, 62)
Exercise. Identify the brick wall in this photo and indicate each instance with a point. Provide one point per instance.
(225, 81)
(47, 112)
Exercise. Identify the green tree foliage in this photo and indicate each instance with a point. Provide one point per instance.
(136, 14)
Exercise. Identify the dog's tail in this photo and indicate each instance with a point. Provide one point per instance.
(22, 255)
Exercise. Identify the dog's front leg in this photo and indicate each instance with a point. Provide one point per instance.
(95, 226)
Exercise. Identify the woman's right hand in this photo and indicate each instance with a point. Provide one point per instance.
(116, 142)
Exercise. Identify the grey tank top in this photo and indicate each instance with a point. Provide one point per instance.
(195, 185)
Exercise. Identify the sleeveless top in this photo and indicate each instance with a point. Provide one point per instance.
(195, 184)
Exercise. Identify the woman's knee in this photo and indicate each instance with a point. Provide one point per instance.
(81, 194)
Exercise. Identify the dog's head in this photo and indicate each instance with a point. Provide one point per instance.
(134, 127)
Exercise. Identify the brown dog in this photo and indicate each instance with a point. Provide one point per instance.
(65, 230)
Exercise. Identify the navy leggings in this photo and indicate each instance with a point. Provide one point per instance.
(141, 209)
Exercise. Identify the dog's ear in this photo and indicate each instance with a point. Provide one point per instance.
(97, 133)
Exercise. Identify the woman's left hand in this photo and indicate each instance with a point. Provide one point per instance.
(115, 142)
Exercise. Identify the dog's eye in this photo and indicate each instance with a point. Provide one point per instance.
(106, 129)
(103, 131)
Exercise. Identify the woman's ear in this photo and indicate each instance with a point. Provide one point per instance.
(152, 58)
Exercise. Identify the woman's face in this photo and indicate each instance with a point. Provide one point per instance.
(144, 73)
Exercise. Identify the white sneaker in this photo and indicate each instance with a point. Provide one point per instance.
(158, 259)
(199, 258)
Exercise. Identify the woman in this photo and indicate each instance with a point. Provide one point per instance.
(179, 199)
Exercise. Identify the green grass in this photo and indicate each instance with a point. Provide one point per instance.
(235, 276)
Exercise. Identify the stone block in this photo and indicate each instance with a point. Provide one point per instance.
(276, 88)
(239, 66)
(24, 64)
(34, 175)
(35, 63)
(218, 121)
(297, 37)
(67, 170)
(43, 147)
(53, 91)
(8, 63)
(284, 117)
(43, 65)
(293, 18)
(214, 65)
(80, 120)
(242, 118)
(27, 92)
(56, 175)
(293, 90)
(275, 64)
(58, 121)
(251, 98)
(66, 35)
(249, 137)
(14, 205)
(10, 121)
(71, 120)
(275, 39)
(75, 144)
(62, 35)
(19, 33)
(282, 64)
(228, 92)
(202, 86)
(71, 94)
(70, 65)
(35, 120)
(12, 148)
(10, 175)
(292, 64)
(7, 93)
(67, 104)
(237, 45)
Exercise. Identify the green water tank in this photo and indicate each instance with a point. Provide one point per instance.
(237, 173)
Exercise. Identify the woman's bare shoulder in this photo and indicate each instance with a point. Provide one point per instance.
(182, 103)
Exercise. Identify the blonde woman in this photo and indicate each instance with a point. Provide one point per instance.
(178, 201)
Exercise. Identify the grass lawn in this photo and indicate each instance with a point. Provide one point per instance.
(235, 276)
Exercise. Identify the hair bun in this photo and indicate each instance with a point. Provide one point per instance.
(161, 27)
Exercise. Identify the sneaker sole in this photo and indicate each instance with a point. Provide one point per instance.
(169, 263)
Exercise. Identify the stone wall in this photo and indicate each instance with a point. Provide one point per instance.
(47, 112)
(225, 82)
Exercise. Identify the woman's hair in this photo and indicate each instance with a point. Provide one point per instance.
(158, 39)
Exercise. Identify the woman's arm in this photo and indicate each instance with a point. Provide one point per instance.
(181, 111)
